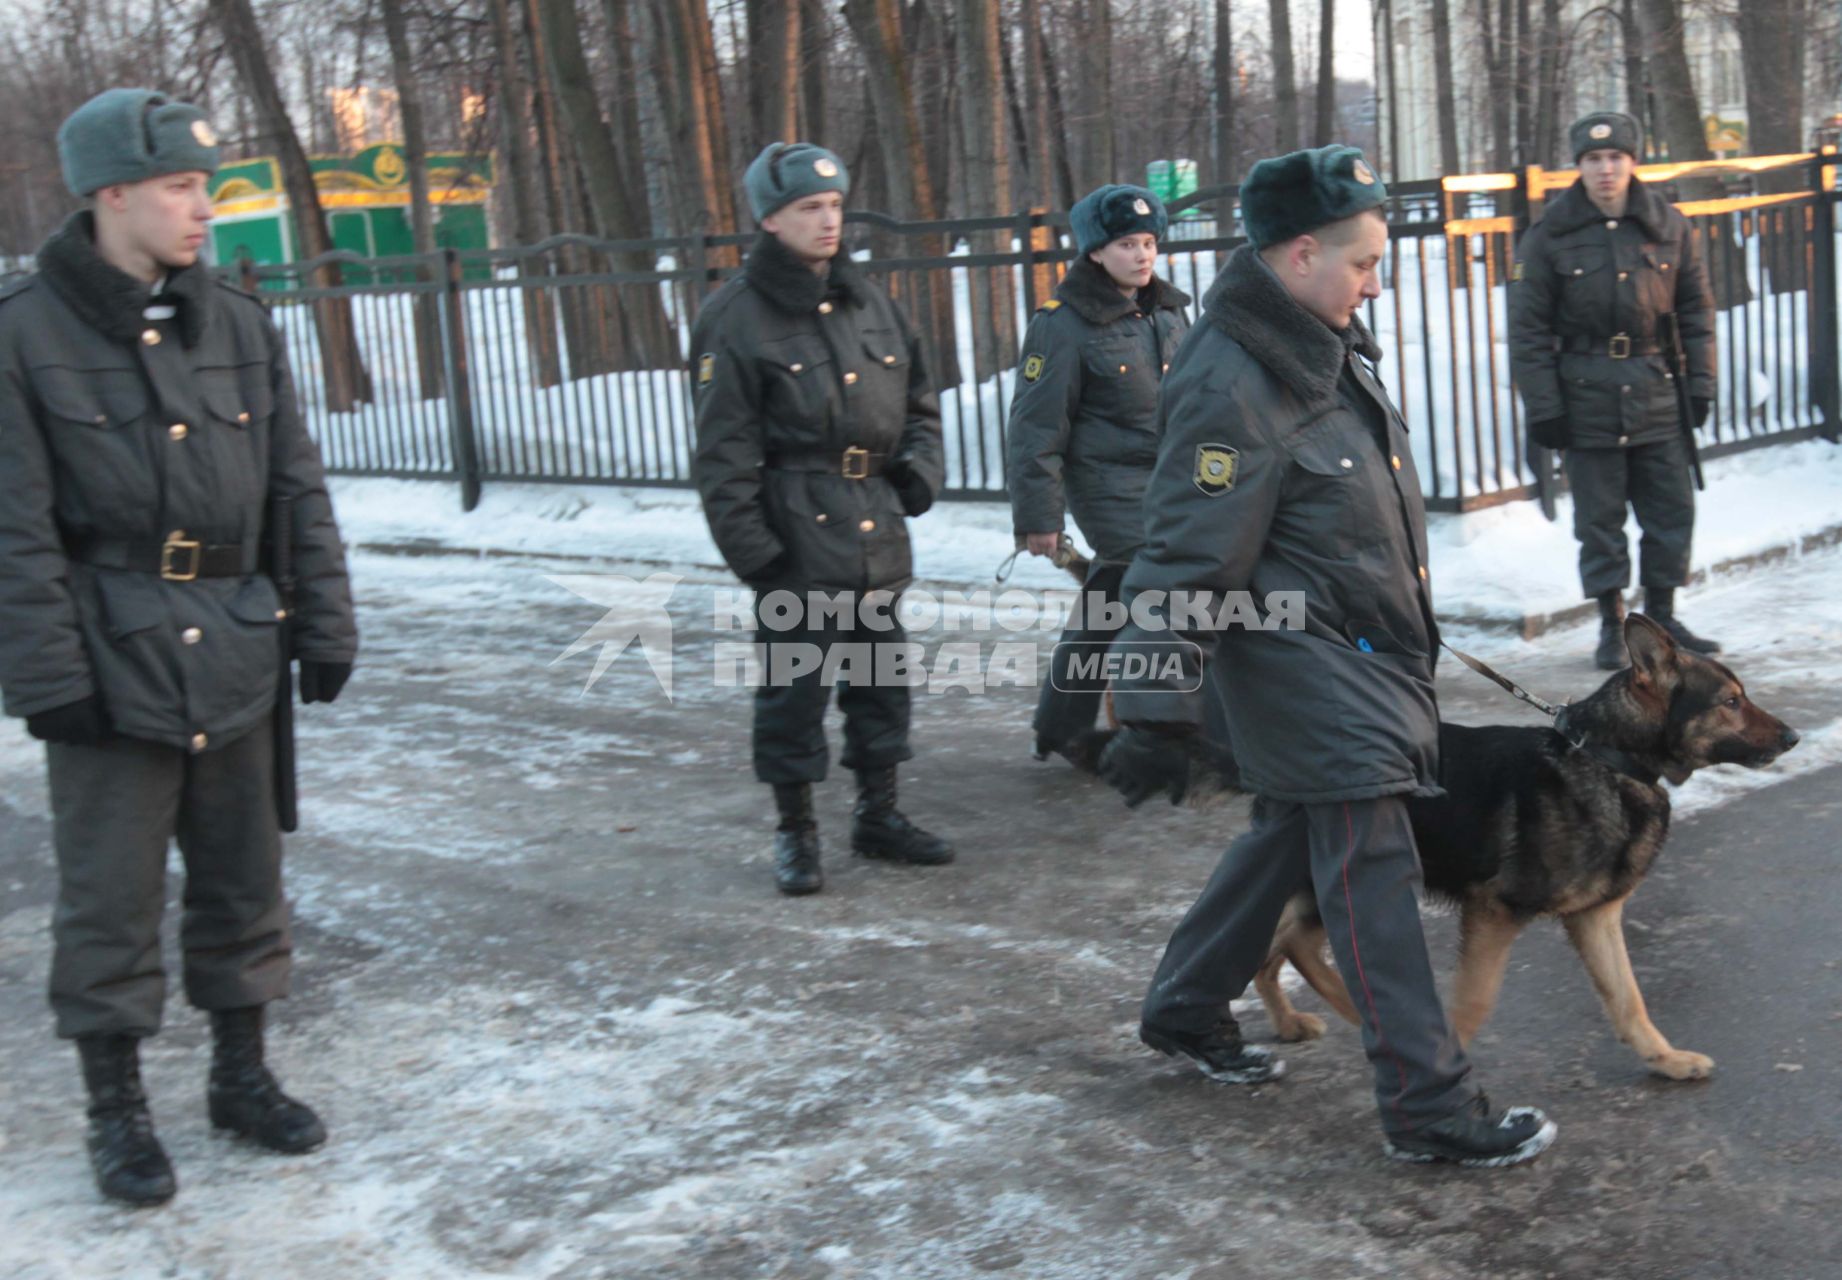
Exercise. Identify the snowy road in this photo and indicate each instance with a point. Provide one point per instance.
(561, 1027)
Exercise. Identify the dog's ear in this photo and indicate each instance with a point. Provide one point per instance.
(1653, 652)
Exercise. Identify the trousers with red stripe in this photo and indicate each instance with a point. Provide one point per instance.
(1359, 858)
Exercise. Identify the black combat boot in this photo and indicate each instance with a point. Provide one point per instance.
(1475, 1136)
(129, 1163)
(879, 829)
(1082, 750)
(1610, 655)
(1660, 607)
(1219, 1053)
(244, 1097)
(796, 841)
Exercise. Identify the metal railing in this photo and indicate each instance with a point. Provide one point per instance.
(567, 360)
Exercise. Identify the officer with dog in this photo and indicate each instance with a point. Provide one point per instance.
(1597, 286)
(147, 421)
(1083, 431)
(818, 434)
(1285, 468)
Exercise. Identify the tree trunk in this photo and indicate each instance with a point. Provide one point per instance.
(1223, 71)
(1448, 102)
(877, 27)
(1097, 162)
(1285, 80)
(528, 226)
(773, 71)
(347, 382)
(1040, 144)
(1495, 46)
(421, 216)
(1678, 115)
(814, 63)
(985, 180)
(1772, 59)
(1325, 130)
(1548, 76)
(1525, 87)
(634, 313)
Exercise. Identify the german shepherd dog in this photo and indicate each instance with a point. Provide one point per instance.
(1557, 822)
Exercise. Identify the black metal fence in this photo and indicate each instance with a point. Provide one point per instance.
(567, 360)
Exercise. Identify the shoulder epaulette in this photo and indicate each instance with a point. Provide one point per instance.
(1050, 305)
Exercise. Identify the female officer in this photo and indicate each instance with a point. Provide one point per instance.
(1084, 431)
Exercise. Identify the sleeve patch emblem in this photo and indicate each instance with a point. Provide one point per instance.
(1515, 270)
(1216, 465)
(1032, 368)
(706, 369)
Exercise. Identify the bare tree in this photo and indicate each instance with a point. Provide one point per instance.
(985, 181)
(1285, 79)
(421, 218)
(773, 71)
(1325, 128)
(1222, 66)
(348, 384)
(1442, 78)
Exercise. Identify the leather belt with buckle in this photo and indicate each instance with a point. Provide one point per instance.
(177, 559)
(853, 463)
(1620, 346)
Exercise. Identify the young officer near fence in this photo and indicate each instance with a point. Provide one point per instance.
(1083, 431)
(1284, 467)
(817, 436)
(1597, 286)
(147, 419)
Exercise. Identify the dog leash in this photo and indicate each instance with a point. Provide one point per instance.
(1509, 686)
(1606, 754)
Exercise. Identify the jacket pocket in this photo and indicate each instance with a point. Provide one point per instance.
(107, 399)
(797, 377)
(1326, 489)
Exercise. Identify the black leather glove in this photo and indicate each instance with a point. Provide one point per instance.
(1698, 409)
(75, 724)
(321, 681)
(912, 489)
(1139, 762)
(1550, 433)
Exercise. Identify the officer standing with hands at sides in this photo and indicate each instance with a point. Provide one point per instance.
(1597, 286)
(1284, 467)
(817, 435)
(147, 420)
(1083, 432)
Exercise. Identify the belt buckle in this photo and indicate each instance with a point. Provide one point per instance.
(1620, 348)
(176, 543)
(861, 457)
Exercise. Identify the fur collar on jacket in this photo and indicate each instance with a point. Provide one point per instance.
(108, 299)
(1093, 296)
(1248, 303)
(1573, 209)
(792, 286)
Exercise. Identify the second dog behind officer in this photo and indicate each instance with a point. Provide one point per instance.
(817, 435)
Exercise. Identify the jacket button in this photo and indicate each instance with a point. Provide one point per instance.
(1122, 368)
(281, 615)
(1662, 266)
(865, 526)
(796, 366)
(888, 359)
(1167, 366)
(1423, 573)
(1396, 460)
(151, 337)
(200, 742)
(821, 517)
(1623, 274)
(1579, 271)
(243, 418)
(1624, 390)
(1346, 463)
(1611, 224)
(1624, 439)
(825, 308)
(177, 431)
(191, 635)
(850, 379)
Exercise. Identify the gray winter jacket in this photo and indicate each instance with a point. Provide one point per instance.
(118, 435)
(1285, 468)
(1580, 281)
(792, 369)
(1083, 430)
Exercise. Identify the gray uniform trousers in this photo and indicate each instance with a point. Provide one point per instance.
(115, 806)
(1069, 704)
(1654, 480)
(1361, 858)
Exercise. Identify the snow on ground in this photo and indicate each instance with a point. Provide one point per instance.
(1499, 564)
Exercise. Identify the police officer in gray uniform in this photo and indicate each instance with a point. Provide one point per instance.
(817, 435)
(1285, 468)
(147, 419)
(1083, 431)
(1595, 286)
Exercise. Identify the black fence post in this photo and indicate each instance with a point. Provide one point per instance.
(1825, 377)
(461, 433)
(1027, 222)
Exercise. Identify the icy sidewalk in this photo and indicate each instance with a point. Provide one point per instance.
(1504, 568)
